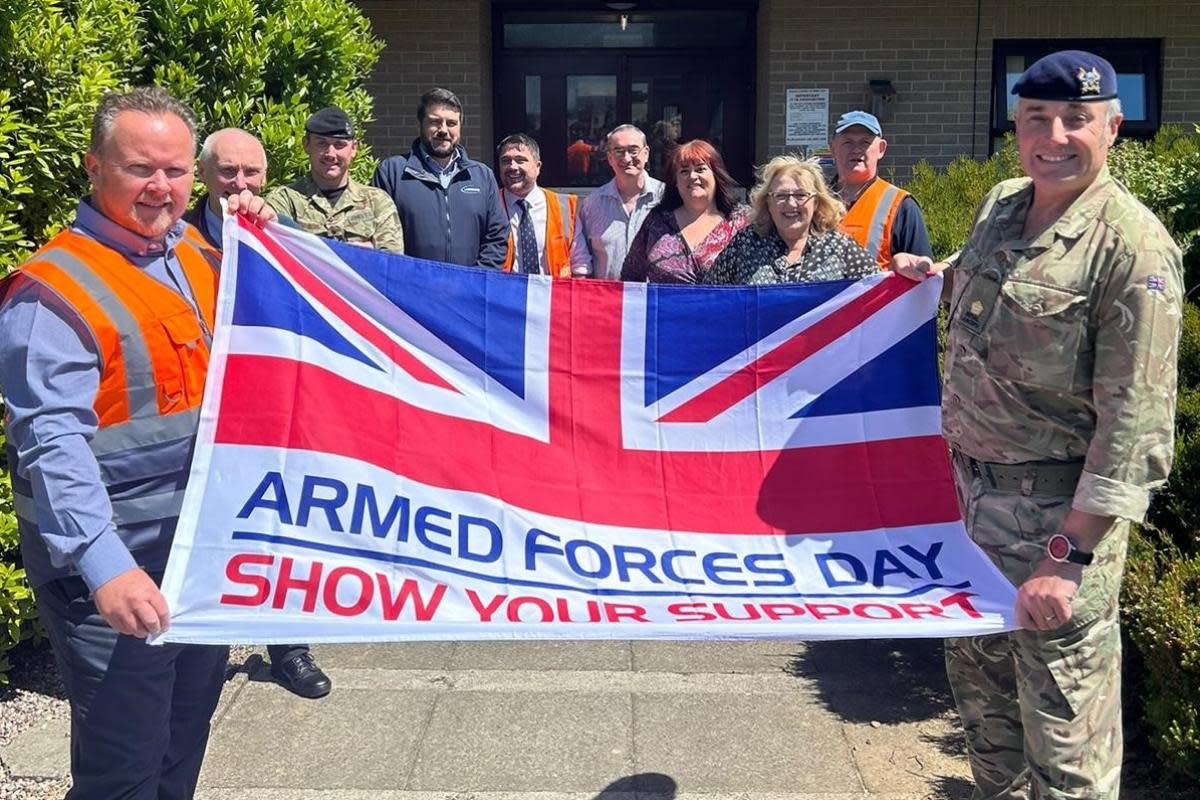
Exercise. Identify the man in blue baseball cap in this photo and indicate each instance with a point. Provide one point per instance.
(884, 219)
(1059, 406)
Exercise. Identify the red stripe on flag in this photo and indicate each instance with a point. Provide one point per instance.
(346, 312)
(758, 373)
(578, 474)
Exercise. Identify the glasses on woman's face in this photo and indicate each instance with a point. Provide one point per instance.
(783, 198)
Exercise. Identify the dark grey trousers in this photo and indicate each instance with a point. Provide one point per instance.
(139, 714)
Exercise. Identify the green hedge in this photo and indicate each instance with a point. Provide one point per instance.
(1161, 596)
(18, 617)
(263, 65)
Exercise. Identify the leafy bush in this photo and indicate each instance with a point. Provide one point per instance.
(263, 65)
(18, 616)
(1161, 612)
(949, 199)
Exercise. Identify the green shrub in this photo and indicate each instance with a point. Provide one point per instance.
(263, 65)
(949, 199)
(1161, 615)
(18, 616)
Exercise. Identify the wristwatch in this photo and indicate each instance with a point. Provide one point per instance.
(1064, 551)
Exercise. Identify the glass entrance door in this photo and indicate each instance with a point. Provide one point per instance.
(568, 96)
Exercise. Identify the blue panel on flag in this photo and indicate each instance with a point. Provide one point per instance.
(478, 312)
(690, 330)
(904, 376)
(266, 299)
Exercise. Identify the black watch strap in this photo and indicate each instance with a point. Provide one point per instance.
(1061, 549)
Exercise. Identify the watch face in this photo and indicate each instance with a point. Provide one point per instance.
(1059, 547)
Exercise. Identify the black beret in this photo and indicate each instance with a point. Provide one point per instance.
(1068, 76)
(331, 122)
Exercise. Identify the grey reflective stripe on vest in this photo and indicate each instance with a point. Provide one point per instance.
(145, 432)
(140, 385)
(147, 508)
(879, 220)
(25, 508)
(564, 203)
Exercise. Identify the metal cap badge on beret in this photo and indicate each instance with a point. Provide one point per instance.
(331, 122)
(1068, 76)
(852, 118)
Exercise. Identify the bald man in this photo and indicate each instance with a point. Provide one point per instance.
(230, 160)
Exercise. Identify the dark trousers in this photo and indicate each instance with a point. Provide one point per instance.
(278, 653)
(139, 714)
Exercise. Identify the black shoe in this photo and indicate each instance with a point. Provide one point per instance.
(302, 676)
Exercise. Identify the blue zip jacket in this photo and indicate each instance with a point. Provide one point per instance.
(464, 223)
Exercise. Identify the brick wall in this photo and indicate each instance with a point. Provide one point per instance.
(926, 48)
(942, 80)
(430, 44)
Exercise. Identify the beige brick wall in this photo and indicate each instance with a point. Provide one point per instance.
(942, 80)
(430, 44)
(925, 47)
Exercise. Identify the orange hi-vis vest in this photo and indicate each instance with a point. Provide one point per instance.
(869, 220)
(560, 231)
(153, 352)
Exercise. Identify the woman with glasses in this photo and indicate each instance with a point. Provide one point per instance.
(696, 219)
(793, 235)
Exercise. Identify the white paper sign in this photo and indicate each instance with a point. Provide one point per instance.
(807, 122)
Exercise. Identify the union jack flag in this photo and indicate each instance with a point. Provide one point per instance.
(757, 410)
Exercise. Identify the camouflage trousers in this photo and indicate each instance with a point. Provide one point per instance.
(1041, 710)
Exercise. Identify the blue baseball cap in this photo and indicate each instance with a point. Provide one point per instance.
(852, 118)
(1068, 76)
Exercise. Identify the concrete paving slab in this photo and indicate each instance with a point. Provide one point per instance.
(43, 751)
(281, 794)
(526, 681)
(748, 743)
(717, 657)
(921, 757)
(289, 794)
(542, 655)
(403, 655)
(349, 739)
(517, 742)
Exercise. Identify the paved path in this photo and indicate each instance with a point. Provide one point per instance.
(582, 721)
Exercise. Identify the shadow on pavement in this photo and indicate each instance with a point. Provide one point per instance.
(643, 786)
(878, 680)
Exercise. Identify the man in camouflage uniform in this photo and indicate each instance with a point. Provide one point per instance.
(1059, 408)
(327, 201)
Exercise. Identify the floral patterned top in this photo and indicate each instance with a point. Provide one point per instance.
(752, 258)
(660, 254)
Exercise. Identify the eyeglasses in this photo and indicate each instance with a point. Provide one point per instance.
(783, 198)
(632, 152)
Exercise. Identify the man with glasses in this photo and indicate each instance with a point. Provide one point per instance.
(883, 218)
(611, 216)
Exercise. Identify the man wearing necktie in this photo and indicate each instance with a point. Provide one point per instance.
(541, 222)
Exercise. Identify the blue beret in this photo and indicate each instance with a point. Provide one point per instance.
(1068, 76)
(331, 122)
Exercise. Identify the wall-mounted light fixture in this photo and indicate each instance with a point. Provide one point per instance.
(881, 98)
(622, 8)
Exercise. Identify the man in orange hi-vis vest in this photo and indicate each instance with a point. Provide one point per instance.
(541, 222)
(104, 345)
(883, 218)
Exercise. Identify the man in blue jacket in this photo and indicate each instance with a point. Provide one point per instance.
(449, 205)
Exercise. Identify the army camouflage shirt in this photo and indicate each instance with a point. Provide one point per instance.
(1063, 348)
(362, 215)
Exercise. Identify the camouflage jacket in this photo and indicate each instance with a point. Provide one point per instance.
(1064, 348)
(362, 215)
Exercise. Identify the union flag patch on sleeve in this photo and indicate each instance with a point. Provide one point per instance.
(1156, 283)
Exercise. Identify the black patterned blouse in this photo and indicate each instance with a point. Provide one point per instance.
(752, 259)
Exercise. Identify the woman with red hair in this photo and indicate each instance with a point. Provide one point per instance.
(697, 217)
